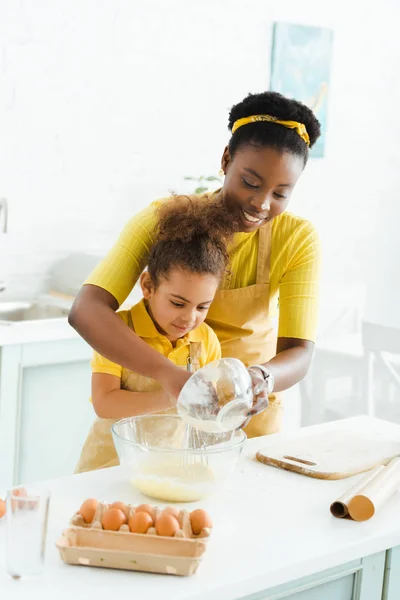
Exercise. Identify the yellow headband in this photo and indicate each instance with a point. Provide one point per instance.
(298, 127)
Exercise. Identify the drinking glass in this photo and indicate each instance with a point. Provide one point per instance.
(26, 528)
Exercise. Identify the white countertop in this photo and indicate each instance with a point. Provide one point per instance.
(270, 527)
(44, 330)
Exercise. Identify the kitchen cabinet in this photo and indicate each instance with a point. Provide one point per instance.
(391, 587)
(359, 580)
(45, 413)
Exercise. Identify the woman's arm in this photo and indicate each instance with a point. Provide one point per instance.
(110, 402)
(289, 366)
(291, 362)
(94, 318)
(298, 309)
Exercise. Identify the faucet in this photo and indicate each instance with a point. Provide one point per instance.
(3, 215)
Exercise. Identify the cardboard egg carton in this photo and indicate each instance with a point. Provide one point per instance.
(91, 545)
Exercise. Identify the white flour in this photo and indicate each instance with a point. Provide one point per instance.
(209, 426)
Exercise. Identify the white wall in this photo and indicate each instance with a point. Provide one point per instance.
(107, 105)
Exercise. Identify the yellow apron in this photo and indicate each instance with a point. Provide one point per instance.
(242, 322)
(99, 451)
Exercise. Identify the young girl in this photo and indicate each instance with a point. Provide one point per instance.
(184, 270)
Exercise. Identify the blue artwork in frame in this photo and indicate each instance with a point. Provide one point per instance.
(300, 69)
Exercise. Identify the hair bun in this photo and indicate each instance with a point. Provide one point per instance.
(185, 218)
(193, 234)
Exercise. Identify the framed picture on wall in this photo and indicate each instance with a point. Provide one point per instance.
(300, 69)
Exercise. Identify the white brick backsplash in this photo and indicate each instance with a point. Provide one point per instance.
(106, 106)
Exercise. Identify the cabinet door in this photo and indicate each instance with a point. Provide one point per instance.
(391, 588)
(10, 371)
(359, 580)
(53, 414)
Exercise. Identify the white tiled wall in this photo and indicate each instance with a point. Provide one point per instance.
(107, 105)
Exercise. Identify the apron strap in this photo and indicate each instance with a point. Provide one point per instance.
(130, 322)
(194, 356)
(264, 253)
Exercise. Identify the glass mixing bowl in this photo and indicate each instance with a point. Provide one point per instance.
(169, 460)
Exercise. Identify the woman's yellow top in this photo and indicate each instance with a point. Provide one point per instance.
(294, 268)
(210, 348)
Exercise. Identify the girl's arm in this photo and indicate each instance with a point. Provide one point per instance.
(110, 402)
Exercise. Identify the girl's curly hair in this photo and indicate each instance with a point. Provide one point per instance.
(193, 234)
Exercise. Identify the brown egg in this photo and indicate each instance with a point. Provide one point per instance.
(140, 522)
(123, 507)
(88, 509)
(147, 508)
(167, 525)
(2, 508)
(171, 510)
(112, 519)
(198, 520)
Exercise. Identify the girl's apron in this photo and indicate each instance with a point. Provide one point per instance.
(99, 451)
(242, 322)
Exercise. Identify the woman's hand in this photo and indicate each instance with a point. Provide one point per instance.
(260, 395)
(173, 379)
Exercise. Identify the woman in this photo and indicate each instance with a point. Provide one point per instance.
(273, 254)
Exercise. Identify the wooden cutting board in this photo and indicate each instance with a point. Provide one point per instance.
(331, 454)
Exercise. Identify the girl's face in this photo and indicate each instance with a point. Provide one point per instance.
(259, 183)
(180, 302)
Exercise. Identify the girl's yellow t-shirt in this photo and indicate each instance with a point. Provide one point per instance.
(294, 267)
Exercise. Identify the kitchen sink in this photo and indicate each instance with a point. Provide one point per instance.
(12, 312)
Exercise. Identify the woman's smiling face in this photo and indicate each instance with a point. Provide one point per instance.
(259, 183)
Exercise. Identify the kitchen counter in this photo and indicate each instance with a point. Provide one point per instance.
(44, 330)
(271, 527)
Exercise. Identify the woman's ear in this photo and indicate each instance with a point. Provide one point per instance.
(146, 284)
(225, 160)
